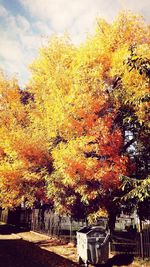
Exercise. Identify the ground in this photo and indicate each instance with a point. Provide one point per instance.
(29, 249)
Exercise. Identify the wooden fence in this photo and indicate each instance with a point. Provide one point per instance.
(51, 223)
(136, 243)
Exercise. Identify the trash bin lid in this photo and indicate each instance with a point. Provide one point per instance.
(84, 230)
(92, 228)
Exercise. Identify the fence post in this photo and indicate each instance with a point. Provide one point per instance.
(70, 229)
(0, 214)
(141, 240)
(33, 219)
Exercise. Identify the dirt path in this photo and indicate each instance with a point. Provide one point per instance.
(52, 244)
(29, 249)
(16, 252)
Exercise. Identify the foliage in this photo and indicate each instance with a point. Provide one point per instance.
(22, 156)
(67, 133)
(140, 188)
(79, 112)
(137, 192)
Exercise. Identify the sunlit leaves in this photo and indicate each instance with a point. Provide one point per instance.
(76, 104)
(23, 157)
(139, 189)
(67, 137)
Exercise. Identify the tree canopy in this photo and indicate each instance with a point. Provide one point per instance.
(67, 134)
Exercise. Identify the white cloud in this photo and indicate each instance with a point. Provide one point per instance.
(23, 23)
(142, 7)
(76, 17)
(3, 11)
(31, 42)
(10, 49)
(12, 58)
(62, 13)
(43, 28)
(134, 4)
(16, 69)
(18, 45)
(21, 36)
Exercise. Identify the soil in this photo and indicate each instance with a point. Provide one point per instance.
(30, 249)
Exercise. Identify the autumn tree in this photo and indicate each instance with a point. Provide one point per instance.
(76, 95)
(76, 117)
(23, 158)
(132, 87)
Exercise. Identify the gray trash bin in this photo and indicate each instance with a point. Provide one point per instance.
(93, 244)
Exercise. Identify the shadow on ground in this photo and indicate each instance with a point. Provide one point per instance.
(20, 253)
(118, 260)
(9, 229)
(52, 242)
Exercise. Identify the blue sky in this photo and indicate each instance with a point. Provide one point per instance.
(26, 24)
